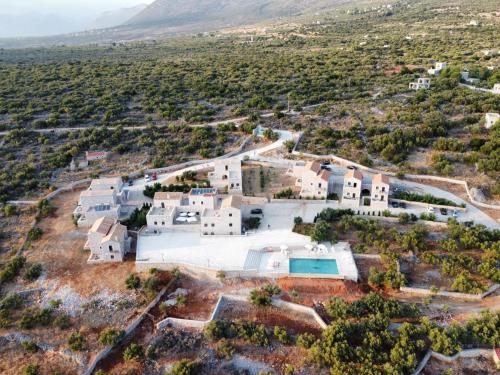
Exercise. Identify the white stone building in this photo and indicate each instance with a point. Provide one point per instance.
(314, 182)
(102, 199)
(496, 88)
(491, 119)
(380, 192)
(227, 174)
(225, 220)
(107, 241)
(95, 155)
(351, 191)
(438, 67)
(421, 84)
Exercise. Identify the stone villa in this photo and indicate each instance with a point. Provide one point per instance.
(491, 119)
(314, 181)
(107, 241)
(438, 67)
(102, 199)
(227, 174)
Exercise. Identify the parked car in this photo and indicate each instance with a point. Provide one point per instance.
(431, 209)
(402, 205)
(443, 211)
(256, 211)
(395, 204)
(154, 176)
(325, 162)
(147, 178)
(455, 213)
(352, 167)
(130, 182)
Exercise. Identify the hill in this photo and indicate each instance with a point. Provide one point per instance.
(116, 17)
(196, 15)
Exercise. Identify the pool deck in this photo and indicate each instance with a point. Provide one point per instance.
(257, 253)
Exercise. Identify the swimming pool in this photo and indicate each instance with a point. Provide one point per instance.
(313, 266)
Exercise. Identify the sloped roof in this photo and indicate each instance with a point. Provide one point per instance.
(325, 175)
(314, 166)
(233, 201)
(103, 225)
(354, 174)
(117, 233)
(381, 178)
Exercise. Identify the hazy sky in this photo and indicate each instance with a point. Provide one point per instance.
(65, 7)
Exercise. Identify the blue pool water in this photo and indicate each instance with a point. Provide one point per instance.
(314, 266)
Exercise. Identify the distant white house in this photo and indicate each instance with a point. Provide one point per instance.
(464, 75)
(314, 181)
(496, 88)
(102, 199)
(474, 23)
(421, 84)
(491, 119)
(227, 174)
(351, 192)
(96, 155)
(438, 67)
(107, 241)
(224, 220)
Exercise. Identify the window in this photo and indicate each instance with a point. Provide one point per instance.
(238, 184)
(162, 223)
(156, 223)
(206, 225)
(112, 257)
(383, 189)
(355, 184)
(212, 233)
(382, 198)
(319, 185)
(227, 167)
(197, 214)
(354, 195)
(230, 215)
(230, 233)
(213, 225)
(230, 224)
(110, 248)
(205, 233)
(162, 204)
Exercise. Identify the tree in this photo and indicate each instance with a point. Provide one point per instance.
(33, 272)
(184, 367)
(337, 308)
(133, 282)
(111, 336)
(133, 352)
(321, 232)
(281, 335)
(77, 342)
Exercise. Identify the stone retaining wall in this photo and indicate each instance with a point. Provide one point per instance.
(470, 353)
(444, 293)
(128, 332)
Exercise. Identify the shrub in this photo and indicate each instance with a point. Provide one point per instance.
(215, 330)
(184, 367)
(111, 337)
(259, 298)
(281, 335)
(62, 321)
(376, 278)
(221, 275)
(255, 334)
(225, 349)
(11, 302)
(30, 346)
(464, 283)
(252, 222)
(321, 231)
(33, 272)
(403, 218)
(337, 308)
(11, 269)
(32, 318)
(297, 220)
(133, 351)
(133, 282)
(306, 340)
(35, 234)
(32, 370)
(181, 300)
(9, 210)
(77, 342)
